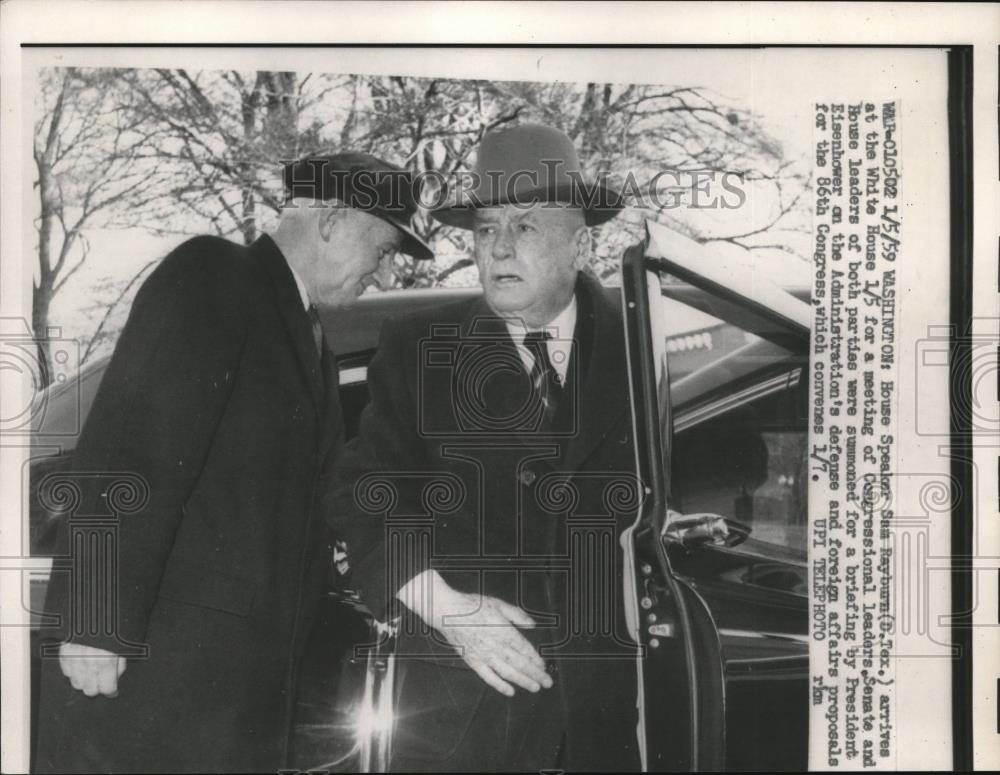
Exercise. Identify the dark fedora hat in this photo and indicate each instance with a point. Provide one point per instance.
(363, 182)
(524, 165)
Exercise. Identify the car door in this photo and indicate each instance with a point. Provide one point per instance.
(718, 570)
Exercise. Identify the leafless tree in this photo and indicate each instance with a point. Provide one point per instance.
(176, 150)
(227, 133)
(91, 170)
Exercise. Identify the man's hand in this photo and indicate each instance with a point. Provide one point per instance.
(482, 629)
(90, 670)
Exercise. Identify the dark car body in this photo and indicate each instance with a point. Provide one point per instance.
(736, 439)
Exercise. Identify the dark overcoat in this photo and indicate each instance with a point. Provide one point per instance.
(219, 411)
(454, 469)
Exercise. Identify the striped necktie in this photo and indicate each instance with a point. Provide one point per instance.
(317, 330)
(544, 378)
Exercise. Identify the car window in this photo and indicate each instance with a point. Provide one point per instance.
(749, 464)
(739, 447)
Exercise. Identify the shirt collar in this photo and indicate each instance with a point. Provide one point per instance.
(561, 326)
(560, 346)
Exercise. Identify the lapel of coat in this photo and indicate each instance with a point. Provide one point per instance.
(294, 317)
(601, 373)
(602, 390)
(333, 422)
(492, 384)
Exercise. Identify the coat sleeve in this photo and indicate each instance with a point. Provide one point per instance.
(152, 423)
(379, 474)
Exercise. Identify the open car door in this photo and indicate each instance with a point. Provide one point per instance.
(680, 620)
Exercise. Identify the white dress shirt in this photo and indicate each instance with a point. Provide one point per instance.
(560, 346)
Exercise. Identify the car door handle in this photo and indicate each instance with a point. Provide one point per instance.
(692, 530)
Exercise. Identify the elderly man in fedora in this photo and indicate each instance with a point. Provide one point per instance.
(491, 479)
(221, 399)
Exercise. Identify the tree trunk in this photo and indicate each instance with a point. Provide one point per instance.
(270, 124)
(43, 290)
(41, 299)
(248, 213)
(281, 117)
(248, 210)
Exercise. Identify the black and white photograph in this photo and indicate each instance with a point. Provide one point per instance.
(475, 388)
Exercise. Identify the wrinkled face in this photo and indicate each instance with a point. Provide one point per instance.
(528, 259)
(350, 246)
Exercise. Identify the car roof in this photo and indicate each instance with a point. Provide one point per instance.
(355, 329)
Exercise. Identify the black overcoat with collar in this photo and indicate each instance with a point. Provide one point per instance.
(452, 470)
(218, 408)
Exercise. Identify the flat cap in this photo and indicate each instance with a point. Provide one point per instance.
(365, 183)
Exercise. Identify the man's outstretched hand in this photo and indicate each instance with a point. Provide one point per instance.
(91, 670)
(484, 631)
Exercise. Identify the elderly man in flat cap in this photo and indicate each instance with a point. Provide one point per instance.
(221, 400)
(490, 482)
